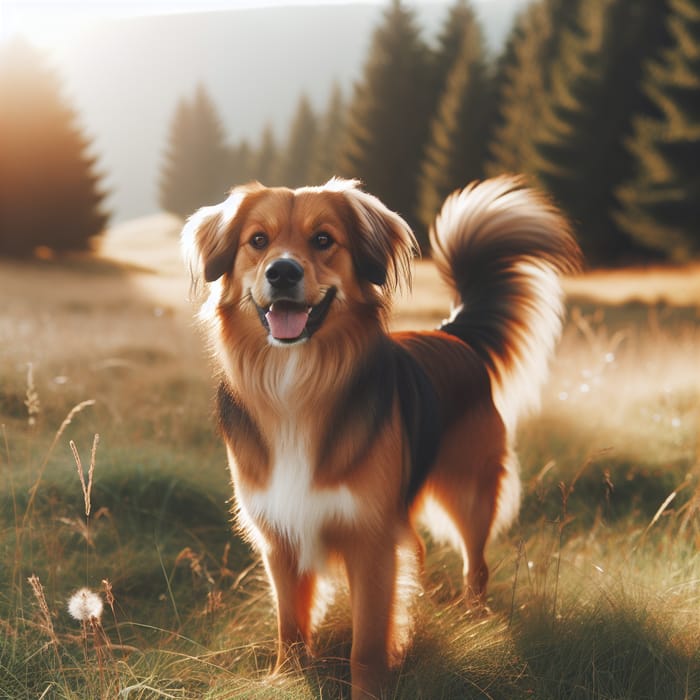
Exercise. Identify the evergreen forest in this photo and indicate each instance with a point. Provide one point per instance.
(598, 102)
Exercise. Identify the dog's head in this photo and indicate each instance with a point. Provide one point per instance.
(291, 259)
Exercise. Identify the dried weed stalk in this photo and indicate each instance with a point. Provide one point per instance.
(45, 622)
(87, 488)
(31, 400)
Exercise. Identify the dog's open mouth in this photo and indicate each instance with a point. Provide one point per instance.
(287, 320)
(290, 322)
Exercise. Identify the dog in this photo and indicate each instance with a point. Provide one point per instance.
(340, 434)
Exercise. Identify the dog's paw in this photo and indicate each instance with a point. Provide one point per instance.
(478, 609)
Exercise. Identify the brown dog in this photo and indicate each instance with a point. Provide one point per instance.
(338, 433)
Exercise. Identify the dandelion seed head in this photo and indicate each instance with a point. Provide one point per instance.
(85, 605)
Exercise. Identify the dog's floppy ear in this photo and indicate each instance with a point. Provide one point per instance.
(385, 244)
(209, 239)
(205, 245)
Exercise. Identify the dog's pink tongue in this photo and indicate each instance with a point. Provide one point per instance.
(286, 322)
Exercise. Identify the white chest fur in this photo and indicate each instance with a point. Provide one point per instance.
(293, 506)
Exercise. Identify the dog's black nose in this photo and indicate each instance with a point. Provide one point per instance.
(284, 273)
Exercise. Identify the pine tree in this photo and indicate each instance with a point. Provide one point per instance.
(295, 166)
(197, 163)
(460, 18)
(389, 114)
(456, 150)
(523, 83)
(660, 205)
(241, 167)
(581, 157)
(327, 149)
(266, 158)
(49, 190)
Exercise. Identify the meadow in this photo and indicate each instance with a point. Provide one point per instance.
(595, 591)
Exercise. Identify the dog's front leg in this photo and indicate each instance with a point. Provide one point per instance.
(294, 593)
(371, 568)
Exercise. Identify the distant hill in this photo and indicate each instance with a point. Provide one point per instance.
(125, 77)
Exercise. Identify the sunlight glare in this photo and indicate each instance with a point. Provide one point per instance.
(52, 23)
(45, 24)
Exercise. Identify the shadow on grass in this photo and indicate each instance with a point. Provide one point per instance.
(584, 656)
(606, 651)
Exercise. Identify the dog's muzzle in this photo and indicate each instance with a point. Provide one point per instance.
(287, 318)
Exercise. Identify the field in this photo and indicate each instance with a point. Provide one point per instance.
(595, 591)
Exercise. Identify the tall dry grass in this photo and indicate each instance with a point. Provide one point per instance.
(595, 591)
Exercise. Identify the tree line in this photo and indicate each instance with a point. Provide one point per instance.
(597, 101)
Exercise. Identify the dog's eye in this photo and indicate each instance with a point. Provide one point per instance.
(322, 240)
(259, 240)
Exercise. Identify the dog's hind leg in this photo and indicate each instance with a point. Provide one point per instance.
(474, 527)
(473, 472)
(471, 511)
(465, 487)
(482, 514)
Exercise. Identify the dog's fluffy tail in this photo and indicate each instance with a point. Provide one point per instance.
(502, 247)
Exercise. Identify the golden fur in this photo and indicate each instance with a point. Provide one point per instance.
(340, 435)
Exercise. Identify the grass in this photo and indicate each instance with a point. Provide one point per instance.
(595, 591)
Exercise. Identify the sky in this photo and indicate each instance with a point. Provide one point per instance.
(53, 22)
